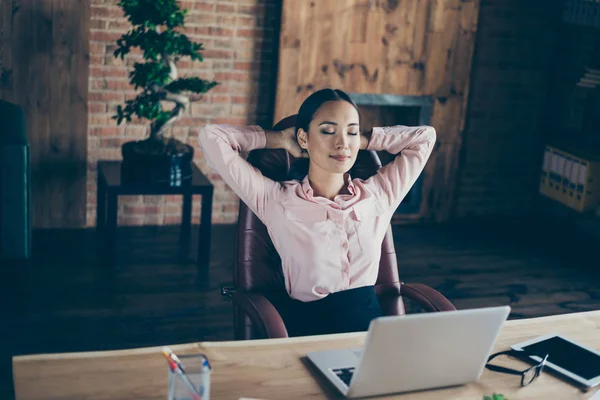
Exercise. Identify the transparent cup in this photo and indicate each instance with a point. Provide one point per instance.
(197, 370)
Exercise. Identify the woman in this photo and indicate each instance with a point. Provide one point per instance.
(327, 227)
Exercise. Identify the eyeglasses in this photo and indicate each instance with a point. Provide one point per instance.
(528, 375)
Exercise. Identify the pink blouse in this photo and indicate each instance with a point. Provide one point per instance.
(325, 246)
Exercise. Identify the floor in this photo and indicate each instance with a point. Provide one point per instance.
(66, 299)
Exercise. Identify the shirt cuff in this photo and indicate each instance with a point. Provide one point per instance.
(376, 139)
(259, 137)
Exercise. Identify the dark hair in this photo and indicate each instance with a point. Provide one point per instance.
(307, 110)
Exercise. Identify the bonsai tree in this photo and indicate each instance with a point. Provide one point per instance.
(157, 32)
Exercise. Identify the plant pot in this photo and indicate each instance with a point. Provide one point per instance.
(158, 161)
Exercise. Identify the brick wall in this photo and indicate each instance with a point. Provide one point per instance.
(240, 38)
(503, 140)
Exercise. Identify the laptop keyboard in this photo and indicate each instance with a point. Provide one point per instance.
(345, 374)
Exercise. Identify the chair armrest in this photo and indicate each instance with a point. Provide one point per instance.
(389, 298)
(428, 298)
(262, 313)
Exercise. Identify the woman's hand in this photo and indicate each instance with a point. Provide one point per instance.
(285, 139)
(290, 143)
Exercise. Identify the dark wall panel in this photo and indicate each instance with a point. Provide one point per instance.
(44, 44)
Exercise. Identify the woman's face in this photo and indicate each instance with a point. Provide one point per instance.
(333, 138)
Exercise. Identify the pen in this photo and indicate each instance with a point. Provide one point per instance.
(175, 365)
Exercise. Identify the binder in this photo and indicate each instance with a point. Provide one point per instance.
(575, 164)
(566, 176)
(545, 174)
(571, 176)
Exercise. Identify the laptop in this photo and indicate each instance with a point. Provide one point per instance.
(414, 352)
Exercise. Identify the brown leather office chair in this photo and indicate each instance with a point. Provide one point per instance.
(257, 269)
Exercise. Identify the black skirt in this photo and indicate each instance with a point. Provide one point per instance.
(346, 311)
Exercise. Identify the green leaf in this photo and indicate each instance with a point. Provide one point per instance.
(150, 13)
(495, 396)
(144, 75)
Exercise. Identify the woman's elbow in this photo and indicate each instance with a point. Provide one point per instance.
(430, 134)
(204, 134)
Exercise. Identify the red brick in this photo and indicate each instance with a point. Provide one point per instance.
(226, 20)
(183, 64)
(218, 54)
(230, 208)
(118, 85)
(218, 31)
(135, 130)
(123, 26)
(245, 65)
(103, 36)
(142, 209)
(96, 107)
(172, 220)
(154, 199)
(200, 19)
(251, 9)
(222, 88)
(105, 96)
(204, 6)
(220, 99)
(110, 142)
(106, 11)
(240, 100)
(199, 30)
(186, 5)
(99, 119)
(99, 72)
(96, 59)
(248, 33)
(97, 48)
(97, 84)
(226, 8)
(130, 200)
(173, 209)
(128, 220)
(229, 120)
(245, 21)
(105, 131)
(193, 122)
(98, 24)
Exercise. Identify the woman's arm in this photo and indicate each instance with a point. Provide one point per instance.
(412, 146)
(222, 145)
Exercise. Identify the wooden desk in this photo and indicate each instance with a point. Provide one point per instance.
(272, 369)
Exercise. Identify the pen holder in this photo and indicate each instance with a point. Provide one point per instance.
(196, 375)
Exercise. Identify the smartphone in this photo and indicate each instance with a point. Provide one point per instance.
(565, 356)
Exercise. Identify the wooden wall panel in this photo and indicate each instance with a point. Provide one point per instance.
(409, 47)
(45, 44)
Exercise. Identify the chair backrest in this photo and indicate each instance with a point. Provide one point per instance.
(258, 266)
